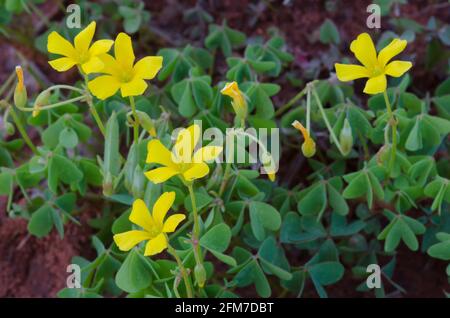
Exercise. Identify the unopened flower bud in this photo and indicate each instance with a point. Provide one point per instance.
(41, 100)
(239, 103)
(137, 187)
(20, 92)
(146, 122)
(308, 146)
(200, 275)
(346, 138)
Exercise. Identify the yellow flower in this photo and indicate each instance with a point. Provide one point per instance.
(82, 53)
(20, 84)
(308, 146)
(123, 73)
(20, 92)
(271, 176)
(269, 166)
(153, 225)
(182, 160)
(374, 67)
(239, 103)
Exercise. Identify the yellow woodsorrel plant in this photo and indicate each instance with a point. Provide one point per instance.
(161, 167)
(376, 67)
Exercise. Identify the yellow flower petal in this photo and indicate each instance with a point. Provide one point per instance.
(100, 47)
(93, 65)
(158, 153)
(207, 153)
(230, 89)
(140, 215)
(59, 45)
(364, 50)
(156, 245)
(271, 176)
(298, 125)
(161, 174)
(123, 51)
(172, 222)
(392, 49)
(134, 88)
(239, 103)
(127, 240)
(187, 139)
(376, 85)
(19, 74)
(349, 72)
(62, 64)
(196, 171)
(104, 86)
(148, 67)
(110, 65)
(84, 38)
(162, 205)
(397, 68)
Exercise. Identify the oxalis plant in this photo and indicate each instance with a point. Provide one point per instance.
(174, 220)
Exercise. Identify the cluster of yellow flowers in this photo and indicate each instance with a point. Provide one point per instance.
(120, 71)
(182, 162)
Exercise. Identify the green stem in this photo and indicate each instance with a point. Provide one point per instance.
(293, 100)
(183, 271)
(55, 105)
(308, 111)
(226, 176)
(196, 230)
(392, 122)
(91, 105)
(135, 122)
(327, 123)
(364, 145)
(68, 87)
(22, 131)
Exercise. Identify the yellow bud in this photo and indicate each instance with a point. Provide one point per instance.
(20, 92)
(239, 103)
(41, 100)
(346, 138)
(271, 176)
(308, 146)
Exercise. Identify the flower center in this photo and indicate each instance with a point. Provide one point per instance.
(154, 232)
(84, 57)
(377, 70)
(126, 76)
